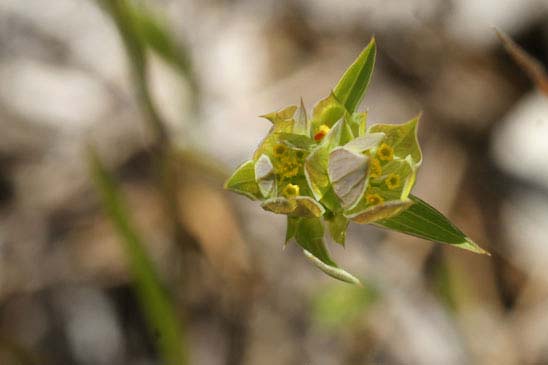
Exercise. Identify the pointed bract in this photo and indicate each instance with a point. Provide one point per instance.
(243, 181)
(352, 86)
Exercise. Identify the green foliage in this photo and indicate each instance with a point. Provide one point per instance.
(141, 31)
(334, 167)
(243, 181)
(424, 221)
(352, 86)
(154, 300)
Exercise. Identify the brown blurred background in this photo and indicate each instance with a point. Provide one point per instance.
(66, 295)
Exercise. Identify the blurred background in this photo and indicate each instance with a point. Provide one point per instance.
(169, 102)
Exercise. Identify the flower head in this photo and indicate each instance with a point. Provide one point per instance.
(392, 181)
(385, 152)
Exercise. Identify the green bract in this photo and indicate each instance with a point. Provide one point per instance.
(331, 168)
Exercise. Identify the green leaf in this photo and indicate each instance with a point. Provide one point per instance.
(243, 181)
(302, 125)
(309, 235)
(357, 122)
(327, 111)
(154, 32)
(362, 123)
(403, 173)
(281, 115)
(353, 84)
(337, 228)
(315, 166)
(296, 141)
(424, 221)
(152, 296)
(402, 138)
(292, 223)
(331, 201)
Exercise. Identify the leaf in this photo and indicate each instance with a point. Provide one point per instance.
(291, 228)
(281, 115)
(154, 300)
(153, 31)
(327, 111)
(243, 181)
(337, 228)
(352, 86)
(315, 166)
(309, 235)
(362, 123)
(296, 141)
(331, 201)
(301, 123)
(357, 122)
(424, 221)
(279, 205)
(403, 171)
(333, 271)
(307, 208)
(402, 138)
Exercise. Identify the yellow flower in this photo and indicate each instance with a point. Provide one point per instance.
(286, 161)
(291, 191)
(375, 168)
(392, 181)
(373, 199)
(299, 154)
(385, 152)
(279, 150)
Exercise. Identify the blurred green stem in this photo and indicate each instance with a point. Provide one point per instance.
(120, 12)
(156, 303)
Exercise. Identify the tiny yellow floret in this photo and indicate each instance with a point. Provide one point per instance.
(279, 150)
(375, 168)
(385, 152)
(373, 199)
(392, 181)
(291, 191)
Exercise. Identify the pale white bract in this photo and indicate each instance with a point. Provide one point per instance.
(347, 172)
(264, 174)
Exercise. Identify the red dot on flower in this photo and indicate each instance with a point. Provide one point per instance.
(319, 136)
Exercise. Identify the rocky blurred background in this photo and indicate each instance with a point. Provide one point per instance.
(66, 295)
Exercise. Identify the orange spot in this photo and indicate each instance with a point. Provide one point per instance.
(319, 136)
(321, 133)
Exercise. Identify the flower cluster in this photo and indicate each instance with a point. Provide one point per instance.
(331, 168)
